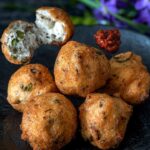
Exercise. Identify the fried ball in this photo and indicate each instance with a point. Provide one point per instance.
(129, 78)
(80, 69)
(29, 81)
(49, 122)
(54, 24)
(104, 120)
(20, 39)
(19, 42)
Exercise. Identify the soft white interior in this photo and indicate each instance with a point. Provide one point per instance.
(50, 30)
(24, 47)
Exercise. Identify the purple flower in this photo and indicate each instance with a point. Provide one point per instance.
(107, 8)
(141, 4)
(122, 4)
(143, 16)
(133, 10)
(102, 13)
(143, 8)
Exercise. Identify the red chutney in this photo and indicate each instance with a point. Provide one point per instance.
(108, 39)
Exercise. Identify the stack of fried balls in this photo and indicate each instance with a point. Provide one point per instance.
(49, 119)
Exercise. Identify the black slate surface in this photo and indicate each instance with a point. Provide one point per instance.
(138, 131)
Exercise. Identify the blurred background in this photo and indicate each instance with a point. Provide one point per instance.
(128, 14)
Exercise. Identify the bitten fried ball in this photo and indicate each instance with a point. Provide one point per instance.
(19, 42)
(54, 24)
(129, 78)
(80, 69)
(49, 122)
(29, 81)
(104, 120)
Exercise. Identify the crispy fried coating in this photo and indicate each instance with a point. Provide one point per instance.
(29, 81)
(49, 122)
(104, 120)
(129, 78)
(80, 69)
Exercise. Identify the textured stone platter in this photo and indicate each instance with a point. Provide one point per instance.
(138, 132)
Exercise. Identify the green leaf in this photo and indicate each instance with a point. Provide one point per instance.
(132, 14)
(83, 20)
(86, 19)
(127, 13)
(122, 11)
(91, 3)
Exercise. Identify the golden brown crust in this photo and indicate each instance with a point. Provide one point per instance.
(60, 15)
(29, 81)
(49, 122)
(5, 48)
(79, 70)
(104, 120)
(129, 78)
